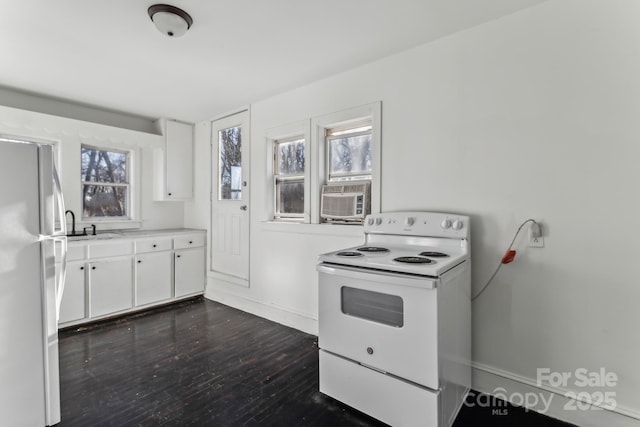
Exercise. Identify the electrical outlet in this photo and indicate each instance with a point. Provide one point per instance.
(535, 237)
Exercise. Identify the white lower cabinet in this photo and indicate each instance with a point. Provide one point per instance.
(189, 271)
(153, 277)
(73, 300)
(120, 275)
(110, 286)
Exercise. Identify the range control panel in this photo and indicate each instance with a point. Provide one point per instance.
(431, 224)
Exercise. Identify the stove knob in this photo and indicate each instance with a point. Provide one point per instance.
(446, 223)
(457, 224)
(409, 221)
(370, 221)
(378, 221)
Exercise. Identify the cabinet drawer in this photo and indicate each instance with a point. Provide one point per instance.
(153, 245)
(101, 250)
(188, 241)
(391, 400)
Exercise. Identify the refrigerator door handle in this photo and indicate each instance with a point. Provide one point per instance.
(57, 188)
(60, 236)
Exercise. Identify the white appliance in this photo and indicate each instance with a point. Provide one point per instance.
(345, 201)
(30, 289)
(395, 319)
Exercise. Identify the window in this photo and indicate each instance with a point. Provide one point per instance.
(230, 143)
(288, 169)
(105, 176)
(288, 176)
(341, 147)
(349, 152)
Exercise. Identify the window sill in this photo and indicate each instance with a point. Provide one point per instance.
(340, 230)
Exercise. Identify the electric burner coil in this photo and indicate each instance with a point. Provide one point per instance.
(373, 249)
(413, 260)
(434, 254)
(349, 254)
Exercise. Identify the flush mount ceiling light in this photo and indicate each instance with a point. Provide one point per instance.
(170, 20)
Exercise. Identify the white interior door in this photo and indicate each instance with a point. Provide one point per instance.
(230, 197)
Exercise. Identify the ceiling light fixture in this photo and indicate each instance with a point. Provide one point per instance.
(170, 20)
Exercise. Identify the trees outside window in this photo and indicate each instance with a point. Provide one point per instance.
(349, 152)
(106, 190)
(230, 142)
(289, 169)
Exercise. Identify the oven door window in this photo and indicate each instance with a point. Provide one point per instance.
(374, 306)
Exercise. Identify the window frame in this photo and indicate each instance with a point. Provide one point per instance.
(129, 185)
(278, 178)
(286, 133)
(330, 135)
(344, 119)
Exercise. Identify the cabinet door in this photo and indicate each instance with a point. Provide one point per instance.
(110, 286)
(73, 296)
(153, 277)
(189, 271)
(179, 160)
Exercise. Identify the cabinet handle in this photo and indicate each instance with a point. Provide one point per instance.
(191, 242)
(93, 268)
(177, 256)
(155, 246)
(169, 194)
(82, 268)
(139, 261)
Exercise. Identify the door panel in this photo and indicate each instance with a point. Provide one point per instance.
(153, 277)
(110, 286)
(230, 208)
(395, 332)
(189, 265)
(22, 336)
(73, 299)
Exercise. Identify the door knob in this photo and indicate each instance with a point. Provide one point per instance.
(243, 207)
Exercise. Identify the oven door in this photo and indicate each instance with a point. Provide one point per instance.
(382, 320)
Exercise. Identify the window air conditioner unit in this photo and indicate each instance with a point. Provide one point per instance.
(346, 202)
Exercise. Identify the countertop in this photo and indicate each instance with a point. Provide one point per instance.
(124, 234)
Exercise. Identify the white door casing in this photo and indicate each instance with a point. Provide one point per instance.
(230, 142)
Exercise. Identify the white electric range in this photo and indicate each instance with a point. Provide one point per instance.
(395, 319)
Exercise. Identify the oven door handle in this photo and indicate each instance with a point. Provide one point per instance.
(379, 276)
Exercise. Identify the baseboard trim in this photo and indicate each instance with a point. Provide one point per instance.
(547, 400)
(282, 315)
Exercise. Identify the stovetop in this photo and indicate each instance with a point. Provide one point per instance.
(423, 243)
(392, 260)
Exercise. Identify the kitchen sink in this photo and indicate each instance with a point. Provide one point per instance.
(99, 236)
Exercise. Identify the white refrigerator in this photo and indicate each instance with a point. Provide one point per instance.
(30, 286)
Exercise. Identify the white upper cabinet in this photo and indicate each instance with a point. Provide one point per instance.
(173, 169)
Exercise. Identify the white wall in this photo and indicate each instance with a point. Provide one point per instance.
(68, 135)
(533, 115)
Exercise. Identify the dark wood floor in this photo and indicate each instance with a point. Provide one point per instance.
(205, 364)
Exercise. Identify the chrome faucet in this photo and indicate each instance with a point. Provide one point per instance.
(73, 222)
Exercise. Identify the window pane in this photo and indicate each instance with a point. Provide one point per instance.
(375, 306)
(102, 200)
(290, 158)
(103, 166)
(350, 155)
(230, 142)
(290, 197)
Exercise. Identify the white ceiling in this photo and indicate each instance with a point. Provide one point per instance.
(109, 54)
